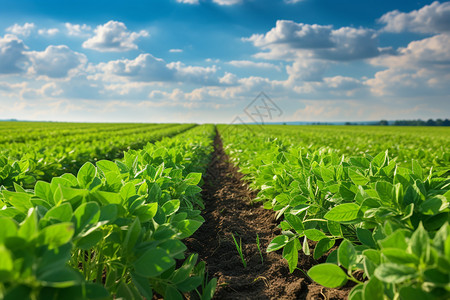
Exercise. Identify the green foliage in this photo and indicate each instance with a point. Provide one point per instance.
(113, 230)
(389, 207)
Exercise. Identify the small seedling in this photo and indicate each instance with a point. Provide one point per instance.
(259, 248)
(239, 249)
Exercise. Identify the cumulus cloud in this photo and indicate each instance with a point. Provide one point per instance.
(433, 18)
(227, 2)
(421, 68)
(194, 74)
(78, 30)
(55, 61)
(114, 37)
(24, 30)
(13, 59)
(306, 70)
(48, 32)
(145, 67)
(252, 64)
(188, 1)
(289, 40)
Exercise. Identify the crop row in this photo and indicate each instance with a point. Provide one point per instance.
(386, 220)
(112, 231)
(24, 163)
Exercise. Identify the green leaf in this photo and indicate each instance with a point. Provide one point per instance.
(86, 175)
(328, 275)
(295, 222)
(133, 232)
(90, 240)
(357, 178)
(290, 253)
(419, 242)
(8, 228)
(60, 278)
(385, 191)
(153, 263)
(107, 166)
(56, 235)
(172, 294)
(314, 234)
(400, 256)
(278, 243)
(171, 207)
(335, 228)
(29, 227)
(43, 190)
(193, 178)
(86, 213)
(395, 273)
(6, 264)
(187, 227)
(413, 293)
(21, 201)
(373, 289)
(62, 213)
(365, 237)
(343, 212)
(305, 246)
(346, 254)
(322, 247)
(417, 169)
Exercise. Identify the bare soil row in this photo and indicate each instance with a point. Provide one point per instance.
(229, 210)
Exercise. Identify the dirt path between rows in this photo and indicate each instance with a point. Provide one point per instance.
(229, 211)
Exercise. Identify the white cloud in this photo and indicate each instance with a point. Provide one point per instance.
(293, 1)
(24, 30)
(145, 67)
(194, 74)
(307, 70)
(114, 37)
(227, 2)
(48, 32)
(252, 64)
(176, 50)
(289, 40)
(78, 30)
(55, 61)
(12, 55)
(188, 1)
(433, 18)
(422, 68)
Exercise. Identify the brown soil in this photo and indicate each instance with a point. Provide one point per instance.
(229, 211)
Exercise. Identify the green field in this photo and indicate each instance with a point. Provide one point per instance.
(101, 211)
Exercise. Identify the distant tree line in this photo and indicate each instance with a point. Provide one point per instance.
(430, 122)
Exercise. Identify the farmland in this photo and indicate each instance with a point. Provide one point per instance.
(143, 211)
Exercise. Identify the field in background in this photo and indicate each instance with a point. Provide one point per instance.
(95, 211)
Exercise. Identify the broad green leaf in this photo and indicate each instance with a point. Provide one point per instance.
(278, 243)
(107, 166)
(343, 212)
(6, 264)
(86, 175)
(171, 207)
(357, 178)
(62, 213)
(21, 201)
(87, 213)
(187, 227)
(295, 222)
(322, 247)
(373, 289)
(290, 253)
(43, 190)
(346, 254)
(385, 191)
(60, 278)
(314, 234)
(365, 237)
(395, 273)
(400, 256)
(193, 178)
(328, 275)
(153, 263)
(334, 228)
(56, 235)
(414, 293)
(8, 228)
(419, 242)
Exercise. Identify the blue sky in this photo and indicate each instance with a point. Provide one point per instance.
(207, 60)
